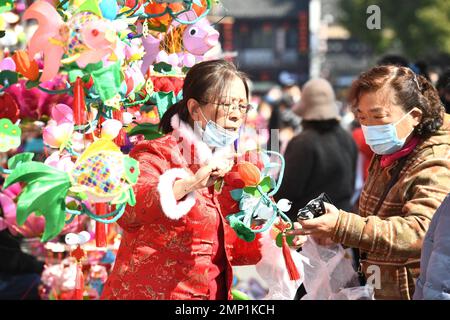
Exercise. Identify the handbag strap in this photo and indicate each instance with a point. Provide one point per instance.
(395, 173)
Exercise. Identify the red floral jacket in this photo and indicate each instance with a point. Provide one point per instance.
(166, 247)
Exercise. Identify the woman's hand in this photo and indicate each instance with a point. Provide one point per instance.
(299, 240)
(204, 177)
(321, 227)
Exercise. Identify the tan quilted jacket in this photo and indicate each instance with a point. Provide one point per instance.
(392, 240)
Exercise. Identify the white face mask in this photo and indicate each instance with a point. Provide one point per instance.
(214, 135)
(383, 139)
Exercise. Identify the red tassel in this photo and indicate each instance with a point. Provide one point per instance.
(79, 283)
(79, 104)
(290, 265)
(120, 139)
(100, 228)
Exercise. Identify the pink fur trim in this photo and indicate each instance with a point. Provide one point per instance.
(202, 152)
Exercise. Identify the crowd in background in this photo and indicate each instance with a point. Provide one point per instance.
(288, 118)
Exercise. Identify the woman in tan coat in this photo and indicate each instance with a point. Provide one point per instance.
(404, 123)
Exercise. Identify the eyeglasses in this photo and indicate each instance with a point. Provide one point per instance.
(228, 107)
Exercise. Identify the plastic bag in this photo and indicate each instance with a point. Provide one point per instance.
(330, 274)
(272, 269)
(357, 293)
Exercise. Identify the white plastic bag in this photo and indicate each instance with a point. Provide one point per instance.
(272, 269)
(330, 274)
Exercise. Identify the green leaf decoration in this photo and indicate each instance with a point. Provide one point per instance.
(242, 231)
(85, 78)
(91, 67)
(279, 240)
(107, 81)
(19, 158)
(89, 6)
(74, 74)
(8, 78)
(45, 192)
(163, 67)
(131, 197)
(149, 130)
(31, 84)
(163, 101)
(74, 71)
(266, 184)
(252, 191)
(6, 5)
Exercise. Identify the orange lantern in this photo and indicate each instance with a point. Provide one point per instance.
(158, 8)
(248, 172)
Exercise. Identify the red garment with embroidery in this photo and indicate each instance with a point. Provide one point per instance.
(167, 248)
(217, 270)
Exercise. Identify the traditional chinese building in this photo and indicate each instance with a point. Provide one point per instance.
(265, 37)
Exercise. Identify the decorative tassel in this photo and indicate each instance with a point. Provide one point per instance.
(79, 283)
(120, 139)
(79, 104)
(98, 130)
(100, 228)
(290, 265)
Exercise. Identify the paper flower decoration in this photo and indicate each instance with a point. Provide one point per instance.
(34, 103)
(59, 130)
(63, 163)
(9, 135)
(8, 64)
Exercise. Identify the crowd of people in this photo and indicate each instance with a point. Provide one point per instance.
(387, 173)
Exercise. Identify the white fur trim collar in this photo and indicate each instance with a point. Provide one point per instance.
(172, 208)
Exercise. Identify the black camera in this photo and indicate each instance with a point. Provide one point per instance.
(315, 208)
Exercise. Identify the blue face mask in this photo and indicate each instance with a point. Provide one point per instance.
(216, 136)
(383, 139)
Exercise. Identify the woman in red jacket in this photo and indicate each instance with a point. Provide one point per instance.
(176, 242)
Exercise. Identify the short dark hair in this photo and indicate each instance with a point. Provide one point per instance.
(410, 90)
